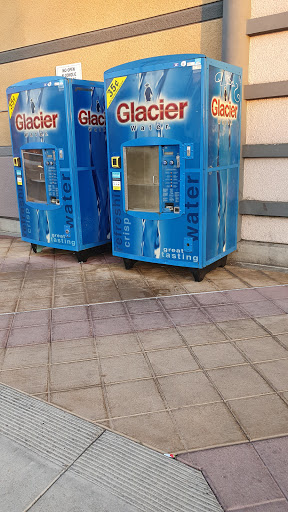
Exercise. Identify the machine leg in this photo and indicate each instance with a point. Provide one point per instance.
(200, 273)
(128, 263)
(223, 261)
(81, 256)
(36, 248)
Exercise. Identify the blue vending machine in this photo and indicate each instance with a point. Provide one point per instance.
(173, 126)
(58, 134)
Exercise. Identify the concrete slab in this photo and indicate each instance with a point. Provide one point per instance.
(52, 460)
(23, 475)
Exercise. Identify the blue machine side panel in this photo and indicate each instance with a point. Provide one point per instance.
(138, 114)
(222, 174)
(40, 120)
(91, 156)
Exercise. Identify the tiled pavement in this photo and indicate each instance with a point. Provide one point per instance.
(175, 364)
(246, 478)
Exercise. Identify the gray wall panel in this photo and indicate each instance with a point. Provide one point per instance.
(267, 24)
(265, 151)
(8, 198)
(266, 90)
(265, 208)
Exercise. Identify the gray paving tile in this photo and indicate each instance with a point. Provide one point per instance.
(150, 321)
(239, 381)
(189, 316)
(282, 303)
(274, 453)
(86, 402)
(31, 355)
(160, 338)
(77, 299)
(218, 354)
(236, 474)
(275, 324)
(3, 337)
(175, 360)
(268, 506)
(5, 321)
(208, 425)
(28, 335)
(118, 325)
(262, 416)
(117, 344)
(201, 334)
(134, 397)
(135, 293)
(72, 350)
(143, 306)
(225, 312)
(74, 375)
(262, 308)
(187, 389)
(34, 304)
(283, 338)
(275, 292)
(70, 314)
(242, 296)
(107, 310)
(178, 302)
(207, 299)
(71, 330)
(153, 429)
(31, 318)
(24, 475)
(276, 372)
(241, 329)
(126, 367)
(261, 349)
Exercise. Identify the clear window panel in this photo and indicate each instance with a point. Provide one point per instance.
(142, 178)
(34, 175)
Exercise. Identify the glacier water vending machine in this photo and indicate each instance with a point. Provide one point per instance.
(173, 126)
(58, 134)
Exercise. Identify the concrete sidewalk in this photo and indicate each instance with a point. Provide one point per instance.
(53, 461)
(149, 353)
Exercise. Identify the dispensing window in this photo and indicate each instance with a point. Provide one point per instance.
(152, 178)
(33, 164)
(142, 178)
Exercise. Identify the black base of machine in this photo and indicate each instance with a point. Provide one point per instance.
(82, 256)
(36, 248)
(128, 263)
(200, 273)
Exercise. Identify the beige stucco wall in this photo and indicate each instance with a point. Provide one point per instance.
(267, 7)
(267, 121)
(266, 179)
(265, 229)
(46, 20)
(198, 38)
(268, 58)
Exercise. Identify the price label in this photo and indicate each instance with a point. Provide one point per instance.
(113, 89)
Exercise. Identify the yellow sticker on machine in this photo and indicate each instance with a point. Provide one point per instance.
(113, 89)
(12, 103)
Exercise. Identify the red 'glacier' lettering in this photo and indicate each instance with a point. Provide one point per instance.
(224, 109)
(38, 121)
(88, 118)
(132, 112)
